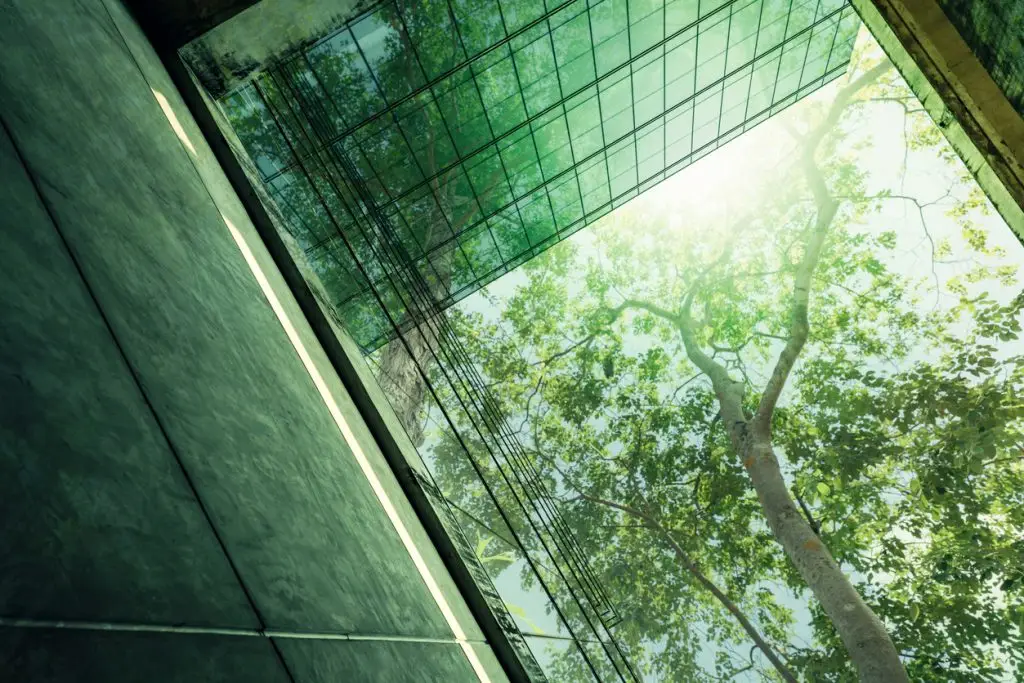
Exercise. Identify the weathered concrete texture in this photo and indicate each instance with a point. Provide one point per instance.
(97, 518)
(325, 661)
(66, 656)
(75, 656)
(959, 93)
(308, 535)
(172, 23)
(227, 55)
(229, 205)
(99, 523)
(87, 656)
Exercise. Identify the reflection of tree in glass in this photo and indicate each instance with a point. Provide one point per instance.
(471, 144)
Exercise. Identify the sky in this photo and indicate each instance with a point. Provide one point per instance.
(701, 193)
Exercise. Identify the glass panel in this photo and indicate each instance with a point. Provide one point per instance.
(509, 234)
(646, 30)
(553, 144)
(463, 112)
(478, 24)
(386, 50)
(487, 176)
(565, 198)
(649, 91)
(341, 69)
(616, 109)
(499, 91)
(433, 36)
(688, 73)
(519, 13)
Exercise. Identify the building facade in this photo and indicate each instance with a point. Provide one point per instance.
(201, 478)
(486, 133)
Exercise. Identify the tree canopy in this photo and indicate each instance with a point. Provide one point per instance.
(638, 361)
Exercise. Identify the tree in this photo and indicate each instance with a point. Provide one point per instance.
(670, 459)
(660, 392)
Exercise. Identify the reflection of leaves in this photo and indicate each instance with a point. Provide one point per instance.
(502, 559)
(518, 611)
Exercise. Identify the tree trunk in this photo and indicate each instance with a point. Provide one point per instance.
(399, 378)
(399, 372)
(861, 631)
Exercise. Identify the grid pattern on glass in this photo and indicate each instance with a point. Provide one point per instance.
(583, 604)
(487, 136)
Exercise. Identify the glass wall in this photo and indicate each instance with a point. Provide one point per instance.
(994, 30)
(424, 149)
(488, 132)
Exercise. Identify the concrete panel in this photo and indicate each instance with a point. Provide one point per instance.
(71, 656)
(98, 522)
(323, 661)
(311, 541)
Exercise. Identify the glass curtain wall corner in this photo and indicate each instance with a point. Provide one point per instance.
(427, 147)
(994, 30)
(487, 131)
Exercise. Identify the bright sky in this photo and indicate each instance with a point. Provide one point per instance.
(702, 192)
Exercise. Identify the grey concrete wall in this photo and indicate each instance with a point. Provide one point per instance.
(173, 487)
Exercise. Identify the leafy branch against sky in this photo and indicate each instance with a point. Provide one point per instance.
(829, 298)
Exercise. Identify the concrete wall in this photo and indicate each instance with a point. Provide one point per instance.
(169, 24)
(185, 486)
(959, 94)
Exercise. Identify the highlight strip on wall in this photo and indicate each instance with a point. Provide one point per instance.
(359, 453)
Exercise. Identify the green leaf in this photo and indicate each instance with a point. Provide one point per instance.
(915, 612)
(823, 488)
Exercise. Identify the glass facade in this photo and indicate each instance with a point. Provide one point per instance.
(424, 149)
(994, 30)
(487, 131)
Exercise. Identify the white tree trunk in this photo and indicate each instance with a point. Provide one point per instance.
(862, 632)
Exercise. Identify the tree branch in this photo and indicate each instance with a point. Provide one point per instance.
(799, 326)
(647, 306)
(694, 569)
(827, 208)
(815, 525)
